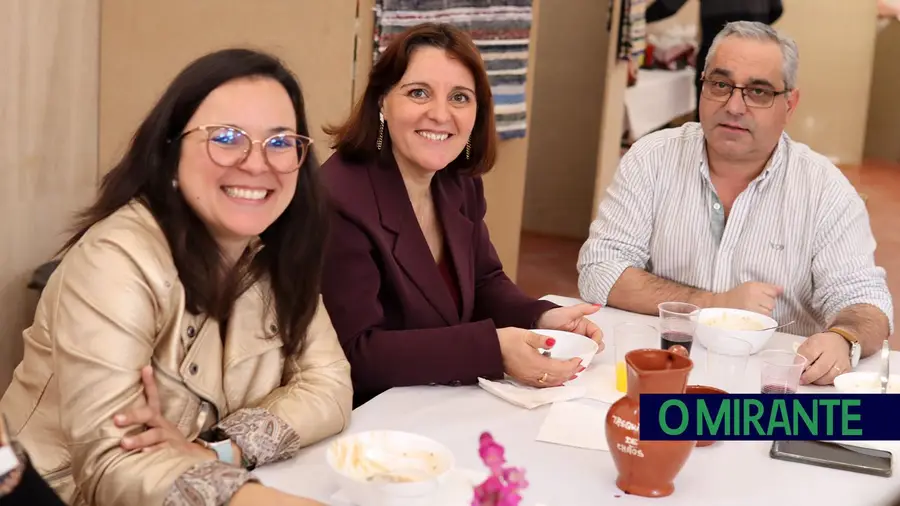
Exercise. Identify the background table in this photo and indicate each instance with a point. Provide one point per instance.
(727, 473)
(658, 97)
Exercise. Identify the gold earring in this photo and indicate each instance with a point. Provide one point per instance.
(469, 149)
(380, 140)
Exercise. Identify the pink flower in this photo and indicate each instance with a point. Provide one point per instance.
(491, 453)
(502, 487)
(515, 477)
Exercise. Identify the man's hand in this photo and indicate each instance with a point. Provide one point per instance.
(751, 296)
(828, 356)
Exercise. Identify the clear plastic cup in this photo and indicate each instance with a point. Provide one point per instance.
(780, 371)
(677, 324)
(628, 337)
(726, 363)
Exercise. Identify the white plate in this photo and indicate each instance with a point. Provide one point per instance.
(457, 490)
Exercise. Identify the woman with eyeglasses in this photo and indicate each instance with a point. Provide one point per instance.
(182, 340)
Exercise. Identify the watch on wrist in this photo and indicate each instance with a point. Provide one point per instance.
(219, 442)
(855, 348)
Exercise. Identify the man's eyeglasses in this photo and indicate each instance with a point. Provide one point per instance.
(754, 96)
(230, 146)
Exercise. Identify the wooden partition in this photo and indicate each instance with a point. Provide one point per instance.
(883, 128)
(576, 118)
(836, 40)
(565, 118)
(48, 150)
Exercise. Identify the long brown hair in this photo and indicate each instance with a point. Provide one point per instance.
(355, 140)
(292, 253)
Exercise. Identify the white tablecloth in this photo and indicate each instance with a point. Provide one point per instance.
(658, 97)
(727, 473)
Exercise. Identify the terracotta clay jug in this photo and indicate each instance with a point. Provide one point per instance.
(648, 468)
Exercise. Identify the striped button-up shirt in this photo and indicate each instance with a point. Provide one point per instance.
(799, 225)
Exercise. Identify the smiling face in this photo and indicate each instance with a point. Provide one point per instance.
(430, 112)
(240, 202)
(733, 130)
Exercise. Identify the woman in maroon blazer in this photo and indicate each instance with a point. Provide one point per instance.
(416, 291)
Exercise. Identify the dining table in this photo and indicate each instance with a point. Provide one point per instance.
(730, 473)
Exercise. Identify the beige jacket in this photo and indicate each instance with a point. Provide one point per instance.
(114, 305)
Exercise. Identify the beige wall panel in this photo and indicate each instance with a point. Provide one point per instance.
(564, 127)
(48, 102)
(145, 44)
(612, 115)
(836, 39)
(883, 129)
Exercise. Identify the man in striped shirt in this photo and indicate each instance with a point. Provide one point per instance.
(731, 212)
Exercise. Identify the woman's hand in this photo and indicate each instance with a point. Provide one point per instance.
(160, 432)
(573, 319)
(523, 361)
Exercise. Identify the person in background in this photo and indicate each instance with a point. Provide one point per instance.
(415, 287)
(714, 15)
(182, 340)
(733, 213)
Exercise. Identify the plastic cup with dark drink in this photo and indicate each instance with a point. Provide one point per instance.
(677, 324)
(780, 371)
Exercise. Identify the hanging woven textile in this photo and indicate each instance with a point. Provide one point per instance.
(633, 31)
(499, 28)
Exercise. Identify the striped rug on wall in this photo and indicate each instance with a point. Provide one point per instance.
(500, 29)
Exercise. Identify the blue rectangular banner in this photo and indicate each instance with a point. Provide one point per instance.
(769, 417)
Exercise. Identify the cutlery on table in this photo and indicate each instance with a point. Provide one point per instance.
(778, 326)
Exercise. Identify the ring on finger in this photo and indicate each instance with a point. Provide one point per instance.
(543, 378)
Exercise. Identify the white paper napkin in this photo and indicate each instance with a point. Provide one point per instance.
(530, 397)
(576, 423)
(599, 382)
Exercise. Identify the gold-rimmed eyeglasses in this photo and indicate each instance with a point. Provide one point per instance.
(754, 96)
(230, 146)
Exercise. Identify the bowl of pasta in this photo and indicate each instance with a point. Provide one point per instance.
(389, 468)
(754, 328)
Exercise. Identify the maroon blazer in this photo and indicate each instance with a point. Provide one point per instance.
(393, 312)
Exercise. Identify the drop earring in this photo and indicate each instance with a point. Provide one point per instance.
(174, 184)
(380, 140)
(469, 149)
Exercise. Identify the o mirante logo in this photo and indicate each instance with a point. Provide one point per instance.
(769, 417)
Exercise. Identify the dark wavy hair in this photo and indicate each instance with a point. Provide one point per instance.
(292, 251)
(355, 139)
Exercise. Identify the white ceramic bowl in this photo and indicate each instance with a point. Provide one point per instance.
(736, 323)
(570, 345)
(389, 468)
(865, 383)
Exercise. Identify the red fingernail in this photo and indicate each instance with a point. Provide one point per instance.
(598, 305)
(574, 376)
(580, 368)
(550, 342)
